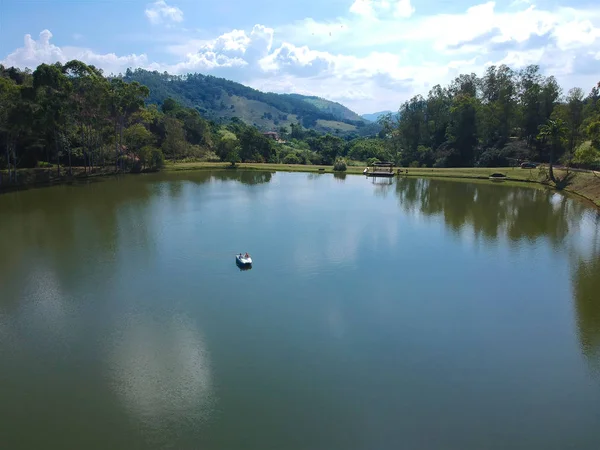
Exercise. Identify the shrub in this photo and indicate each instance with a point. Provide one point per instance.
(291, 158)
(441, 162)
(587, 156)
(492, 158)
(339, 165)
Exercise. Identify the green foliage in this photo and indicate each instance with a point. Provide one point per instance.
(210, 95)
(340, 165)
(72, 115)
(593, 131)
(364, 149)
(137, 136)
(233, 156)
(587, 155)
(174, 145)
(485, 121)
(157, 159)
(328, 146)
(291, 158)
(492, 158)
(256, 147)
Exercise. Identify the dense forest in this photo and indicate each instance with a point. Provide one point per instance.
(71, 115)
(492, 121)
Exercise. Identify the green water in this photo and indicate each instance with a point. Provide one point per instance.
(421, 314)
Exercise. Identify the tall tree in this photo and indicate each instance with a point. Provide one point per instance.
(53, 90)
(555, 131)
(125, 100)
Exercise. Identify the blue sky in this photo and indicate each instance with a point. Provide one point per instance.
(367, 54)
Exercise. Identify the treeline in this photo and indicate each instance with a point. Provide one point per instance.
(71, 115)
(497, 119)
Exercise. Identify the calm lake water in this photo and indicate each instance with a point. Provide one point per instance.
(420, 314)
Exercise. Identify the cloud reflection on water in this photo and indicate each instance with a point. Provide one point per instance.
(160, 370)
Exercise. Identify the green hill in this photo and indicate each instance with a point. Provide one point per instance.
(219, 99)
(333, 108)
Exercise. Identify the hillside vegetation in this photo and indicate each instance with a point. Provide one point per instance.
(71, 115)
(219, 99)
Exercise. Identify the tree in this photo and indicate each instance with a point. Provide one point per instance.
(530, 81)
(497, 117)
(297, 132)
(9, 124)
(174, 146)
(254, 146)
(88, 107)
(328, 146)
(226, 143)
(125, 100)
(137, 137)
(574, 116)
(53, 88)
(462, 131)
(587, 155)
(555, 131)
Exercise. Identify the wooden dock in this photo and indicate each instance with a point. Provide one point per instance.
(378, 173)
(380, 170)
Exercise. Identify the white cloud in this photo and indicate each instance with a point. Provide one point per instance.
(367, 61)
(34, 53)
(403, 8)
(160, 11)
(371, 8)
(362, 7)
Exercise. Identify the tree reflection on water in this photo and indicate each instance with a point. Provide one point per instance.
(522, 213)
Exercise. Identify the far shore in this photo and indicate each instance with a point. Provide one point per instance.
(585, 184)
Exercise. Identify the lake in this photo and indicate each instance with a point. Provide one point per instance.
(378, 314)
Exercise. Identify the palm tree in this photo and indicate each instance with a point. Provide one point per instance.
(555, 130)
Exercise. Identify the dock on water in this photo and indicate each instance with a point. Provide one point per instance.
(382, 169)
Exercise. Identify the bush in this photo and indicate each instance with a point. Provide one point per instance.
(339, 165)
(291, 158)
(492, 158)
(372, 161)
(441, 162)
(587, 156)
(414, 164)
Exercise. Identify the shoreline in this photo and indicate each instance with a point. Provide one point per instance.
(586, 185)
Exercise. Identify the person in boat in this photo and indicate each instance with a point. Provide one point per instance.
(246, 255)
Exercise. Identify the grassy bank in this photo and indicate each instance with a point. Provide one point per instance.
(585, 184)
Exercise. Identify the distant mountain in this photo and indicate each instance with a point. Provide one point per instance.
(373, 117)
(327, 106)
(219, 99)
